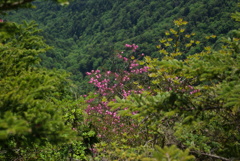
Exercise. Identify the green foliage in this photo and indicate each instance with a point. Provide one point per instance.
(170, 153)
(192, 103)
(37, 121)
(236, 15)
(19, 50)
(86, 34)
(115, 151)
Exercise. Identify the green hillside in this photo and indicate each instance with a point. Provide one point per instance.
(87, 32)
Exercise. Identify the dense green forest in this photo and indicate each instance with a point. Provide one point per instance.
(86, 33)
(119, 80)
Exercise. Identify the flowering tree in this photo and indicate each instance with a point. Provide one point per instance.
(195, 100)
(191, 103)
(109, 84)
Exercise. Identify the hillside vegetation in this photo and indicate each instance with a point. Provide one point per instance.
(86, 33)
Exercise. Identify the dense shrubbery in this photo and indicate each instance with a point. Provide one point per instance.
(191, 103)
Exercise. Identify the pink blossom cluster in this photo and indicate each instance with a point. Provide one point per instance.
(110, 84)
(107, 86)
(140, 70)
(133, 47)
(120, 83)
(133, 65)
(191, 90)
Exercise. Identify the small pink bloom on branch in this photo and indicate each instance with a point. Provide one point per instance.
(125, 59)
(133, 47)
(128, 45)
(88, 73)
(97, 71)
(119, 56)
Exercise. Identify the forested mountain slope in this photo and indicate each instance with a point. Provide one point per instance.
(87, 32)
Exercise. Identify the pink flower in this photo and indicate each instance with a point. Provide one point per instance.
(125, 59)
(120, 56)
(88, 73)
(133, 47)
(128, 45)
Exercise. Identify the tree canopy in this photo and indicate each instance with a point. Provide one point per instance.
(86, 33)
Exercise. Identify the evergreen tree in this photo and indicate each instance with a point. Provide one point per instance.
(40, 119)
